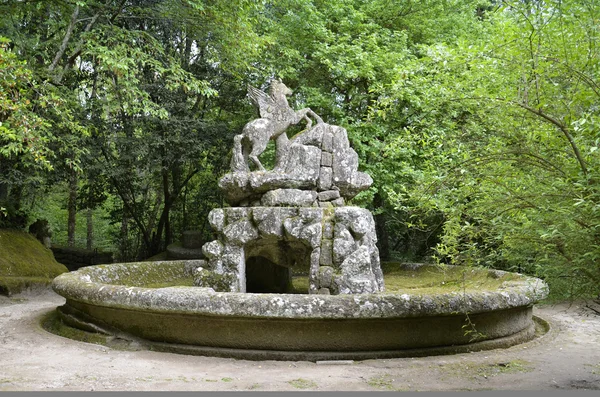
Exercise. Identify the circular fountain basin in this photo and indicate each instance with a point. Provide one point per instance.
(118, 299)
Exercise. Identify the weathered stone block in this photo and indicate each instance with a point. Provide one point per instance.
(240, 233)
(236, 214)
(327, 142)
(342, 248)
(357, 264)
(339, 202)
(325, 179)
(328, 230)
(217, 282)
(216, 218)
(303, 162)
(270, 220)
(310, 215)
(288, 198)
(326, 159)
(325, 276)
(313, 276)
(324, 291)
(325, 204)
(326, 252)
(359, 220)
(213, 249)
(312, 137)
(328, 195)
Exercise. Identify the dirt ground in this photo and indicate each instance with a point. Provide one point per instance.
(568, 357)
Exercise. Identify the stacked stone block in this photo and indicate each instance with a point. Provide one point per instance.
(337, 245)
(295, 216)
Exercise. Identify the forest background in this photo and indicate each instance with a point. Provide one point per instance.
(478, 120)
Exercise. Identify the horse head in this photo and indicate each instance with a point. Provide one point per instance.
(278, 89)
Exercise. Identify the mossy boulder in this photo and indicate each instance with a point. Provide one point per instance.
(25, 262)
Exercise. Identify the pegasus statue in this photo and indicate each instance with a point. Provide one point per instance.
(276, 116)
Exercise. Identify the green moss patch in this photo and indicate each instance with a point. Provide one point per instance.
(439, 279)
(52, 323)
(430, 279)
(399, 278)
(142, 274)
(303, 384)
(25, 263)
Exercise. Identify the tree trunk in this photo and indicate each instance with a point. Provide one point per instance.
(90, 228)
(124, 238)
(383, 240)
(72, 208)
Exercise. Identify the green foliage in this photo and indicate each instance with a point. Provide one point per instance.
(505, 146)
(477, 120)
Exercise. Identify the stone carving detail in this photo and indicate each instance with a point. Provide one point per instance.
(336, 245)
(293, 216)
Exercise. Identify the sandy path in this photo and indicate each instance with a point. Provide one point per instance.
(568, 357)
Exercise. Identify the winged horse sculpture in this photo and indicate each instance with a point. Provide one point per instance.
(276, 116)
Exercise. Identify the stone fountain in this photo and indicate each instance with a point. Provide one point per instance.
(292, 218)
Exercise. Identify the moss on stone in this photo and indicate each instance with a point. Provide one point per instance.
(401, 277)
(25, 262)
(52, 323)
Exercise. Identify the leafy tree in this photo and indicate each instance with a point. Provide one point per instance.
(511, 116)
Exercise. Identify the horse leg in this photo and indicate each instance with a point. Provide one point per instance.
(313, 114)
(301, 115)
(258, 146)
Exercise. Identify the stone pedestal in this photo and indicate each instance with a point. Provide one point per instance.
(335, 245)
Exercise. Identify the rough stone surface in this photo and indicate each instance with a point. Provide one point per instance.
(328, 230)
(327, 144)
(100, 285)
(325, 179)
(326, 276)
(240, 232)
(326, 253)
(329, 195)
(213, 249)
(341, 240)
(339, 202)
(316, 159)
(288, 198)
(208, 279)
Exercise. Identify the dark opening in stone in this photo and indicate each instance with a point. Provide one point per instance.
(264, 276)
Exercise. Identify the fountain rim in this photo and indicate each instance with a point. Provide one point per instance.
(83, 286)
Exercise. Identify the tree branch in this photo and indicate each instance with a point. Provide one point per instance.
(563, 128)
(65, 42)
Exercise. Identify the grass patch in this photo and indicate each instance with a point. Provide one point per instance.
(302, 383)
(382, 382)
(595, 369)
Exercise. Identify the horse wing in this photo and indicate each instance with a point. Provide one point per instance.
(263, 101)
